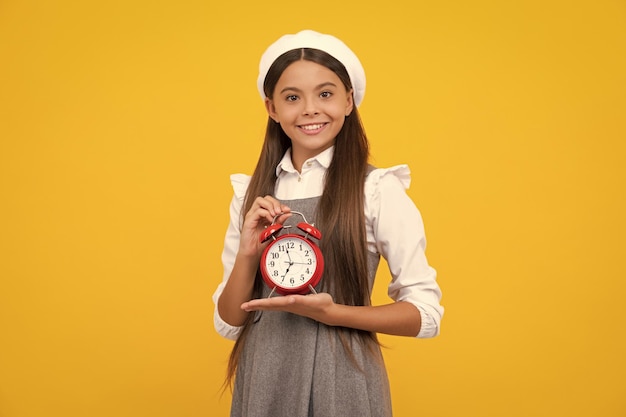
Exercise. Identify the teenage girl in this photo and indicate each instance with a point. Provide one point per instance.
(318, 354)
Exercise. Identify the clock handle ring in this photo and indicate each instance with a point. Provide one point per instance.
(292, 212)
(305, 226)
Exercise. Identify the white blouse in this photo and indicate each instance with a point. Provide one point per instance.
(394, 229)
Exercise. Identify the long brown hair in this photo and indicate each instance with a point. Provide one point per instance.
(340, 212)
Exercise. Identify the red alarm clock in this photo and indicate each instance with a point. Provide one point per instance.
(292, 263)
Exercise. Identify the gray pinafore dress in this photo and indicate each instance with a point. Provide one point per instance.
(292, 366)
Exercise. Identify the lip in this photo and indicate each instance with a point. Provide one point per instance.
(312, 128)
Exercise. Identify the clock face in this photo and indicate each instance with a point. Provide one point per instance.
(291, 263)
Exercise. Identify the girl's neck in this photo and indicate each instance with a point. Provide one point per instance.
(300, 156)
(297, 162)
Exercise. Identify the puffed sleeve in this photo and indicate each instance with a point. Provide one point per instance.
(231, 246)
(396, 231)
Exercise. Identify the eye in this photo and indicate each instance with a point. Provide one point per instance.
(291, 97)
(325, 94)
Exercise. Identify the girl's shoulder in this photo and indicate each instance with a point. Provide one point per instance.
(240, 184)
(385, 185)
(398, 175)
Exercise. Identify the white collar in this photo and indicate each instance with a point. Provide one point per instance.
(324, 159)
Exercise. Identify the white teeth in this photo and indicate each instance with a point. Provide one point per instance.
(312, 127)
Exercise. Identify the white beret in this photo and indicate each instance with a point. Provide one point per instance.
(327, 43)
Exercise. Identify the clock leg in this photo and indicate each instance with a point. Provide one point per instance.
(271, 292)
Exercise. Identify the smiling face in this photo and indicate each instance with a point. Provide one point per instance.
(310, 102)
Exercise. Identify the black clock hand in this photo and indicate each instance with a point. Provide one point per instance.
(288, 256)
(290, 262)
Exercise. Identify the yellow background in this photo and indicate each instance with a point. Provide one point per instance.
(120, 122)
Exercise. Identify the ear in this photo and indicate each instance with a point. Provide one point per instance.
(271, 109)
(350, 103)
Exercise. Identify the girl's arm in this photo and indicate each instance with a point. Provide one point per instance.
(238, 288)
(400, 318)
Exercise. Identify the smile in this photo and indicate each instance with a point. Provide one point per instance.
(312, 127)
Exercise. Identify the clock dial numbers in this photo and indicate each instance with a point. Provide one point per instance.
(290, 262)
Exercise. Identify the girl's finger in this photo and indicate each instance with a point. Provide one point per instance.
(271, 205)
(275, 206)
(267, 204)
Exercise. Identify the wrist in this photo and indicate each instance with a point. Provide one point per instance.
(334, 315)
(248, 259)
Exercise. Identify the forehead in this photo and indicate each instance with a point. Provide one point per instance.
(303, 73)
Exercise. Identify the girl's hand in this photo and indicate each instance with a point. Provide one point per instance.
(318, 307)
(260, 215)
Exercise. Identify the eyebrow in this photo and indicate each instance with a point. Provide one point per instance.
(322, 85)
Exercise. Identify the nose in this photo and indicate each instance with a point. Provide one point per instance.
(310, 108)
